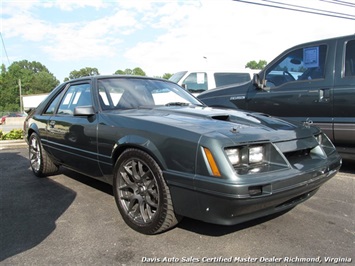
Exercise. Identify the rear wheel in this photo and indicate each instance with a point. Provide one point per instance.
(141, 193)
(40, 162)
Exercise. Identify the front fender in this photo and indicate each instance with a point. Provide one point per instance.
(140, 143)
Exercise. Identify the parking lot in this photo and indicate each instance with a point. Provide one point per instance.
(70, 219)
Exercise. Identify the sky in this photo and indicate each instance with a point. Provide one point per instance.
(160, 37)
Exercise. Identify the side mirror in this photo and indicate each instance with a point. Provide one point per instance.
(87, 110)
(184, 86)
(257, 82)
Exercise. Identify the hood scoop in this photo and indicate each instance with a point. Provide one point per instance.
(221, 117)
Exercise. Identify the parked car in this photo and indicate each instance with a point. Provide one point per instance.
(167, 155)
(200, 81)
(3, 118)
(310, 82)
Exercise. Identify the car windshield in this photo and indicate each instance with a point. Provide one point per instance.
(130, 93)
(177, 76)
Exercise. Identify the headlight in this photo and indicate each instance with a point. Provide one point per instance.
(245, 155)
(233, 155)
(255, 158)
(256, 154)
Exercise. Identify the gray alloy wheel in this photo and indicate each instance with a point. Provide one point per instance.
(40, 163)
(141, 194)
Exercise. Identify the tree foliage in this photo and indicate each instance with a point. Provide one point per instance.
(84, 72)
(136, 72)
(167, 75)
(256, 65)
(34, 79)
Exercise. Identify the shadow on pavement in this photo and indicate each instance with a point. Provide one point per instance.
(348, 166)
(88, 181)
(29, 206)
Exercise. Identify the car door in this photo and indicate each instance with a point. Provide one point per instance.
(72, 139)
(344, 93)
(298, 86)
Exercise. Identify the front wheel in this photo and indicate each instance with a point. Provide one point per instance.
(40, 163)
(141, 194)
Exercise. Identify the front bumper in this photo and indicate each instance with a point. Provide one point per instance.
(225, 202)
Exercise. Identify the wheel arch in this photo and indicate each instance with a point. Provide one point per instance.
(33, 128)
(141, 143)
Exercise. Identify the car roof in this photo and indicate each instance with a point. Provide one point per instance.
(112, 76)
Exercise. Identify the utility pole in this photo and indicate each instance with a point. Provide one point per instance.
(20, 89)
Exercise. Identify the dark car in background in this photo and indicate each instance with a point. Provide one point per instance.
(312, 82)
(167, 155)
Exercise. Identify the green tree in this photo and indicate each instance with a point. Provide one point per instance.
(256, 65)
(120, 72)
(136, 72)
(34, 77)
(167, 75)
(84, 72)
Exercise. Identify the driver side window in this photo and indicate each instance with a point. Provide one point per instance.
(76, 95)
(302, 64)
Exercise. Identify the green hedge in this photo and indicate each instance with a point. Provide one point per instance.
(13, 134)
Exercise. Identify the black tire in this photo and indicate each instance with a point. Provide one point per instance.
(141, 193)
(40, 162)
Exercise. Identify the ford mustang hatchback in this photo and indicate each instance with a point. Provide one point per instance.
(168, 156)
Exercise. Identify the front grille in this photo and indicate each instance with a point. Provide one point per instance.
(297, 156)
(299, 150)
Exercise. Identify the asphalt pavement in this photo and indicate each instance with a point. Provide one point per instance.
(71, 219)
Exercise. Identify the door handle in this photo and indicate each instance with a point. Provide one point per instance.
(324, 95)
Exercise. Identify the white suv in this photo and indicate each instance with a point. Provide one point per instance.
(200, 81)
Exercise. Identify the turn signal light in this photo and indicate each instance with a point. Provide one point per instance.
(212, 163)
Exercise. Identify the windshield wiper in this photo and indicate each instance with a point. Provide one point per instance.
(177, 104)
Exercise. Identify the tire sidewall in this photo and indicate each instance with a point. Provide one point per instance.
(159, 217)
(38, 172)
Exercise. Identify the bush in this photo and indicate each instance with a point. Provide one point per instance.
(13, 134)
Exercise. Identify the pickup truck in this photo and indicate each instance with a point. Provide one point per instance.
(312, 82)
(200, 81)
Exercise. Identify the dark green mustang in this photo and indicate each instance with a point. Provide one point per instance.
(167, 155)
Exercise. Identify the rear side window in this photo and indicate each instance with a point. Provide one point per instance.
(350, 59)
(223, 79)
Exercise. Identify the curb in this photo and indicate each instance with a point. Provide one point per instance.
(12, 144)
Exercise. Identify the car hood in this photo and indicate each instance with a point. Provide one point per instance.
(234, 124)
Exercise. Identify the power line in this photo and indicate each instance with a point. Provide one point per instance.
(309, 8)
(3, 44)
(301, 9)
(337, 2)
